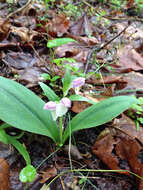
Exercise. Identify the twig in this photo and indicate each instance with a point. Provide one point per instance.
(18, 10)
(99, 48)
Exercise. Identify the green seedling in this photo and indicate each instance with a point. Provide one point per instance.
(52, 80)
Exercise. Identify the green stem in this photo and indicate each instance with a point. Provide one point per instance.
(61, 130)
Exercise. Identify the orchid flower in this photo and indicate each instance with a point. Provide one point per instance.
(58, 109)
(77, 83)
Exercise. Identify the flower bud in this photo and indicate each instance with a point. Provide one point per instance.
(66, 102)
(50, 106)
(78, 82)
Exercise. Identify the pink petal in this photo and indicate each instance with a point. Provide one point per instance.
(80, 81)
(66, 102)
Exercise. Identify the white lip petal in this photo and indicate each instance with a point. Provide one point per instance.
(61, 110)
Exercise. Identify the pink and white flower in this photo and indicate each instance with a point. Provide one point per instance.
(58, 109)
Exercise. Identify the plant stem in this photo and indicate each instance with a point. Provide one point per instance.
(61, 130)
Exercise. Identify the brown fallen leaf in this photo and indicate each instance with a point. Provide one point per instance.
(49, 173)
(73, 50)
(134, 80)
(128, 127)
(79, 106)
(103, 148)
(4, 175)
(4, 28)
(82, 27)
(129, 149)
(58, 26)
(24, 34)
(129, 58)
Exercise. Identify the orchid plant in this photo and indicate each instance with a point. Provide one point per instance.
(22, 109)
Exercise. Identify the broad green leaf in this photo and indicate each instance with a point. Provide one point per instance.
(27, 174)
(49, 92)
(3, 137)
(22, 150)
(59, 41)
(100, 113)
(21, 108)
(81, 98)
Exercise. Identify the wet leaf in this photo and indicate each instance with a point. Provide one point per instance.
(27, 174)
(103, 148)
(58, 26)
(4, 175)
(4, 28)
(82, 27)
(128, 127)
(129, 58)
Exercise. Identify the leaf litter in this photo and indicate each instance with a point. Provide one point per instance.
(116, 70)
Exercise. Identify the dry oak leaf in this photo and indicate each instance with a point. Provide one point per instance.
(128, 127)
(129, 58)
(82, 27)
(4, 175)
(58, 26)
(103, 148)
(129, 149)
(4, 28)
(24, 34)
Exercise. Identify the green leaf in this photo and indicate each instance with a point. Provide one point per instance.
(46, 76)
(22, 109)
(3, 137)
(27, 174)
(100, 113)
(81, 98)
(59, 41)
(49, 92)
(55, 78)
(22, 150)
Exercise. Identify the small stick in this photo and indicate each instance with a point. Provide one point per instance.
(99, 48)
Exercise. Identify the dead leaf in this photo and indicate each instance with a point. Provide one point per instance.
(134, 80)
(4, 175)
(4, 28)
(128, 127)
(24, 33)
(129, 58)
(20, 60)
(79, 106)
(103, 148)
(58, 26)
(82, 27)
(129, 149)
(49, 173)
(75, 51)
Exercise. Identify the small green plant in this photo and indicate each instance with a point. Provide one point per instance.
(52, 80)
